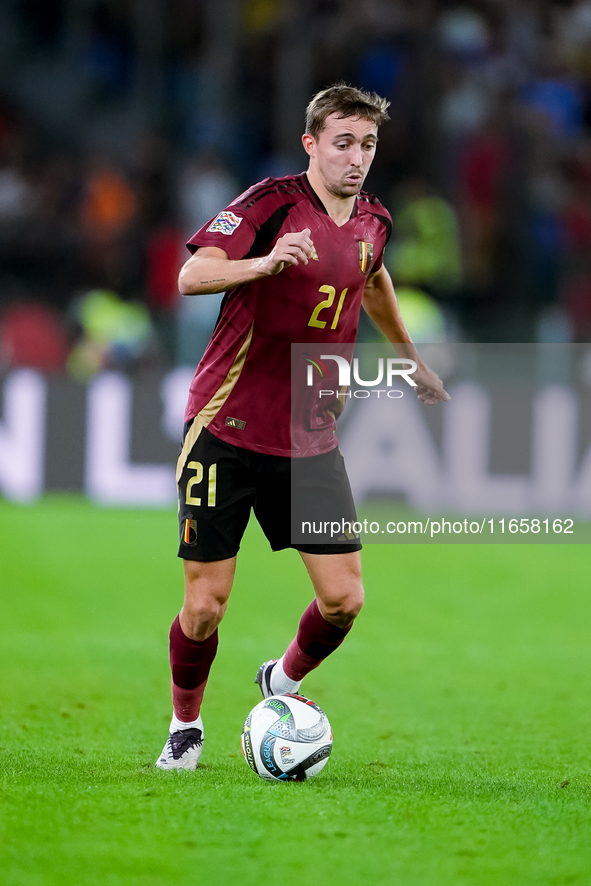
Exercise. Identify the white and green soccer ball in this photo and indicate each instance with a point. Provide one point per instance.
(286, 738)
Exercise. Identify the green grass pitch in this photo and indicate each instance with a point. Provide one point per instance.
(460, 705)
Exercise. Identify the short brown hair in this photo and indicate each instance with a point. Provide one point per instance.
(346, 101)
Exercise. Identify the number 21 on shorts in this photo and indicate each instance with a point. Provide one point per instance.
(197, 479)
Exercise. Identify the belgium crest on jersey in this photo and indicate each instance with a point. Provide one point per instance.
(365, 255)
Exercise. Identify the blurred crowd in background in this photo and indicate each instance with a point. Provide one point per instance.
(126, 124)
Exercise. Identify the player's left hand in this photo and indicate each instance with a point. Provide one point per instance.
(429, 388)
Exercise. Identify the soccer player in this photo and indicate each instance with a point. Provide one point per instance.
(297, 257)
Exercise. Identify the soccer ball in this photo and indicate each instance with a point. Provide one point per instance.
(286, 738)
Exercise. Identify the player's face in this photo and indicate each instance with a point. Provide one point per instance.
(343, 153)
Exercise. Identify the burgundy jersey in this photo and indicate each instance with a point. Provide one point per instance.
(242, 388)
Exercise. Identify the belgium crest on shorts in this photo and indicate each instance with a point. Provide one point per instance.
(365, 255)
(189, 532)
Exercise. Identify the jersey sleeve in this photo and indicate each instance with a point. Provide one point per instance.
(231, 230)
(386, 219)
(378, 263)
(248, 226)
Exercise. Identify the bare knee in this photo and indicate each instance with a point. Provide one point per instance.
(342, 610)
(338, 586)
(199, 620)
(207, 589)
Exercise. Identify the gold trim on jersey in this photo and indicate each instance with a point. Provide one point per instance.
(211, 409)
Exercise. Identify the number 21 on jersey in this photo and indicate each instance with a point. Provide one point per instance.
(324, 305)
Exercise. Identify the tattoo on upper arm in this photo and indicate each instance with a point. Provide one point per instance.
(219, 280)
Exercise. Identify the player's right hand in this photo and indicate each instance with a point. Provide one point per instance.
(429, 388)
(291, 249)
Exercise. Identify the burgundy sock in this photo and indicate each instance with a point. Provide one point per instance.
(315, 640)
(190, 662)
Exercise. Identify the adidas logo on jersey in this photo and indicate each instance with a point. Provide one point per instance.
(235, 423)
